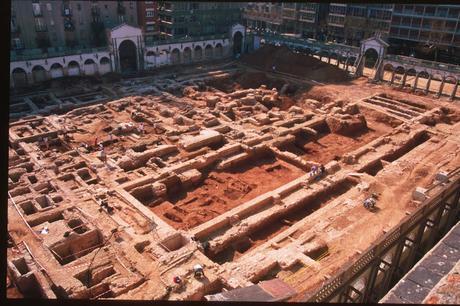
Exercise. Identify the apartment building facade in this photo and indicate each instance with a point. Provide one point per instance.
(263, 15)
(302, 19)
(423, 30)
(427, 29)
(46, 26)
(189, 19)
(148, 21)
(351, 23)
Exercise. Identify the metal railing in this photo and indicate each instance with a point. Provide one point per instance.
(305, 42)
(353, 270)
(425, 63)
(185, 39)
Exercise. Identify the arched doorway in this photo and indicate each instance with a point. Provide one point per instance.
(370, 58)
(90, 67)
(187, 55)
(387, 72)
(74, 69)
(398, 75)
(19, 77)
(198, 53)
(39, 74)
(435, 84)
(104, 66)
(56, 71)
(410, 78)
(128, 56)
(208, 52)
(350, 65)
(218, 51)
(237, 43)
(175, 57)
(422, 81)
(449, 86)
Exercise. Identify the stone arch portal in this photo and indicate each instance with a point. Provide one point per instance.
(237, 43)
(128, 56)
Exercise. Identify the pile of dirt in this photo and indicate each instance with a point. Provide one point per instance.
(294, 63)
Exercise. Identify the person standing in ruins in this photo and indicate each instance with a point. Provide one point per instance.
(45, 140)
(322, 169)
(102, 155)
(313, 170)
(141, 128)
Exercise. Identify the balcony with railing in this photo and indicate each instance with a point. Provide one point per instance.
(41, 27)
(68, 25)
(269, 17)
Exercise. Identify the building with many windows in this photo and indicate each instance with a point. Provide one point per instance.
(187, 19)
(304, 19)
(351, 23)
(427, 29)
(263, 15)
(147, 16)
(48, 26)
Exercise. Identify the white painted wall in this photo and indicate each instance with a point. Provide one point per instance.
(160, 59)
(57, 73)
(90, 69)
(74, 71)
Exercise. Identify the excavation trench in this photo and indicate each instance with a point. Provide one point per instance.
(278, 223)
(185, 207)
(327, 146)
(373, 168)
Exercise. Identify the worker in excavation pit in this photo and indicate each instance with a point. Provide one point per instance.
(46, 142)
(322, 169)
(141, 128)
(198, 271)
(102, 154)
(313, 170)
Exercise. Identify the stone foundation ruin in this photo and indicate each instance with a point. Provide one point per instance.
(212, 167)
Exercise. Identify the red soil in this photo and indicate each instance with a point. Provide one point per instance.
(222, 191)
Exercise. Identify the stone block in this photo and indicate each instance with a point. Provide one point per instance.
(442, 176)
(419, 194)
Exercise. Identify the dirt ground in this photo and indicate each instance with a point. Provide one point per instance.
(286, 61)
(222, 191)
(331, 146)
(334, 215)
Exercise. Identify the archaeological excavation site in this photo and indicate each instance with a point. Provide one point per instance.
(232, 181)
